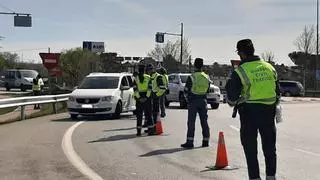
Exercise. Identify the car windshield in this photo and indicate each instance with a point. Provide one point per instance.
(184, 78)
(99, 83)
(29, 74)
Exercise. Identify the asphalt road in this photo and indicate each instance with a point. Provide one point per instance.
(55, 147)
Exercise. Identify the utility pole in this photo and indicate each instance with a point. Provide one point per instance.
(160, 39)
(181, 50)
(316, 71)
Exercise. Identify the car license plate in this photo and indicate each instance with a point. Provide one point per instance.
(86, 106)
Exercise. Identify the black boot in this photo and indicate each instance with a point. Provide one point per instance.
(138, 132)
(205, 143)
(151, 132)
(188, 145)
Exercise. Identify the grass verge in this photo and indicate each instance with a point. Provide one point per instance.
(47, 109)
(7, 110)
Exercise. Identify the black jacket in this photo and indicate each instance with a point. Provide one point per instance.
(234, 85)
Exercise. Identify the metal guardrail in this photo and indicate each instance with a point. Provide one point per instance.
(31, 100)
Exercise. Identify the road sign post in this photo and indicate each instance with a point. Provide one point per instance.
(235, 63)
(51, 62)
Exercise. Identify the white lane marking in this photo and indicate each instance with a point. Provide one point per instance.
(308, 152)
(73, 157)
(234, 128)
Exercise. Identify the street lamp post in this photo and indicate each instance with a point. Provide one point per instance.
(160, 39)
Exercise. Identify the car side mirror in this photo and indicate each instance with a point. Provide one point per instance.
(123, 88)
(76, 87)
(19, 76)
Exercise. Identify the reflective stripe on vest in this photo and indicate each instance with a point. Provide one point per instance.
(158, 90)
(200, 83)
(258, 79)
(36, 87)
(143, 87)
(166, 80)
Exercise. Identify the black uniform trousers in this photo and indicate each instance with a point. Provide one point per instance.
(146, 109)
(36, 93)
(254, 118)
(198, 105)
(155, 107)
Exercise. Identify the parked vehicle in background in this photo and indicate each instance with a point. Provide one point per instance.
(177, 83)
(291, 88)
(103, 94)
(19, 78)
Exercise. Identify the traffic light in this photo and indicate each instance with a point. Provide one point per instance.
(159, 37)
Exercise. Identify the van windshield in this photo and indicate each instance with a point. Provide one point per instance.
(29, 74)
(99, 83)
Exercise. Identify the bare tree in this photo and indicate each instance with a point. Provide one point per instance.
(306, 41)
(172, 49)
(268, 56)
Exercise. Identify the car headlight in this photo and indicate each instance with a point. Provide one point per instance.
(107, 98)
(217, 90)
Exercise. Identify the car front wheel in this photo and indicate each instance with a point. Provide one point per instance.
(73, 116)
(215, 105)
(118, 110)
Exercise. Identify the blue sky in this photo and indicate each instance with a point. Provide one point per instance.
(128, 26)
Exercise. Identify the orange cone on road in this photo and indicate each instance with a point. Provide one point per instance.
(222, 158)
(159, 129)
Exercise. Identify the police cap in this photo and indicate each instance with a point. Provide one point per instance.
(245, 46)
(198, 63)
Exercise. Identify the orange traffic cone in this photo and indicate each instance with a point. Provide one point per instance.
(159, 129)
(222, 158)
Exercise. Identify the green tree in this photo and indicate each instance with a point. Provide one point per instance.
(2, 62)
(76, 64)
(10, 59)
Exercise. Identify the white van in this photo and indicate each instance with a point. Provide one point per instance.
(19, 78)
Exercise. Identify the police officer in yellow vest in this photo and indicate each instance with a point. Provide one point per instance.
(254, 90)
(158, 90)
(142, 94)
(36, 88)
(197, 87)
(165, 78)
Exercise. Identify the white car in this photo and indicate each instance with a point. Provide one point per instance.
(177, 83)
(103, 94)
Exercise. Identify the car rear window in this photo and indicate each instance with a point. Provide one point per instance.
(184, 78)
(288, 84)
(99, 83)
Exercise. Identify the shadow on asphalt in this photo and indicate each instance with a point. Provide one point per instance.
(166, 151)
(96, 118)
(121, 129)
(116, 138)
(176, 107)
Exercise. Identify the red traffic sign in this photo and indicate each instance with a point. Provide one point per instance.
(50, 60)
(235, 63)
(56, 71)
